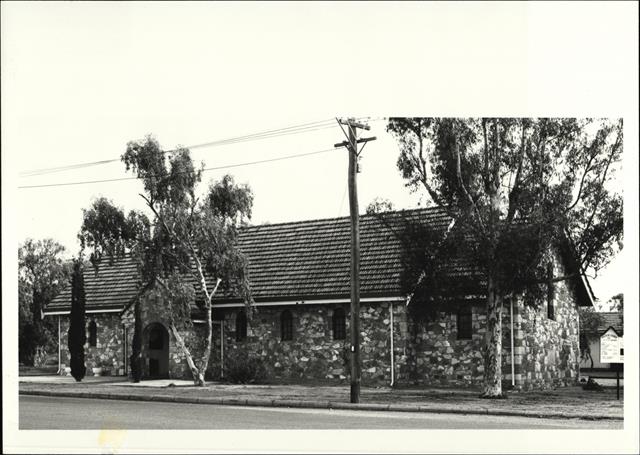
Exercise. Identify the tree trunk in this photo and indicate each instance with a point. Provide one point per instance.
(204, 360)
(198, 375)
(493, 343)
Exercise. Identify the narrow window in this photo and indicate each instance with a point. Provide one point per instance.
(463, 321)
(550, 293)
(241, 326)
(286, 326)
(93, 334)
(338, 324)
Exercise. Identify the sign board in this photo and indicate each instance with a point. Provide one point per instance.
(611, 347)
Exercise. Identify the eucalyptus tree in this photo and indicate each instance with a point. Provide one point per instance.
(42, 273)
(186, 249)
(515, 189)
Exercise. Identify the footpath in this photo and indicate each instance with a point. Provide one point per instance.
(564, 403)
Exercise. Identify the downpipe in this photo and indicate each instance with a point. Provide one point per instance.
(59, 350)
(393, 374)
(222, 349)
(513, 366)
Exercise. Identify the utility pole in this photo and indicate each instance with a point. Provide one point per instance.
(352, 147)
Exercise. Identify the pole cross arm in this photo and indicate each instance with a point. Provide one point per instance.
(359, 141)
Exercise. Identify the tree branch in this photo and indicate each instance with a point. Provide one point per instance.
(496, 159)
(463, 187)
(421, 164)
(587, 169)
(485, 174)
(514, 192)
(596, 205)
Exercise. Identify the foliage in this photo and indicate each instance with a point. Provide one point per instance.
(189, 240)
(516, 190)
(42, 274)
(77, 336)
(590, 320)
(617, 303)
(106, 230)
(592, 385)
(242, 368)
(379, 205)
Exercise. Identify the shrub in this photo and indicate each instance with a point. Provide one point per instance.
(592, 385)
(242, 368)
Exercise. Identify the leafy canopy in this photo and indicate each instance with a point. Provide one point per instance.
(516, 188)
(42, 274)
(185, 232)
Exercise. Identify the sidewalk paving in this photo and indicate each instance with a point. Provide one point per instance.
(566, 402)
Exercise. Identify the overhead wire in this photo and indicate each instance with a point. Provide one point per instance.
(249, 163)
(278, 132)
(286, 131)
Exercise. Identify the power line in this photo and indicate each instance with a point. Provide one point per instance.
(285, 131)
(269, 160)
(295, 129)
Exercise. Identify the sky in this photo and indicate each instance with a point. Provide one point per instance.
(81, 80)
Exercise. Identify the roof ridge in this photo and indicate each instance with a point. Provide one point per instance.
(364, 215)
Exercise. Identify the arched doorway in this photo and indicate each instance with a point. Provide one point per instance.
(156, 351)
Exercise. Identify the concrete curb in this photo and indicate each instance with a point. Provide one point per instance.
(315, 404)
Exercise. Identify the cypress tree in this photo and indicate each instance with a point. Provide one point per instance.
(136, 345)
(77, 334)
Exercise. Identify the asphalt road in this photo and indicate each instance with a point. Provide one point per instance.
(55, 413)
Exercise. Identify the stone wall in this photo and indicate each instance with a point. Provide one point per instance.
(424, 354)
(432, 353)
(108, 352)
(549, 351)
(312, 354)
(546, 351)
(151, 313)
(435, 355)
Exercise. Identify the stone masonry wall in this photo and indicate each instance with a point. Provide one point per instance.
(312, 354)
(108, 352)
(546, 351)
(549, 351)
(178, 367)
(432, 354)
(436, 356)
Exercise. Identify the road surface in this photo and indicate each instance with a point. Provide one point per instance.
(39, 412)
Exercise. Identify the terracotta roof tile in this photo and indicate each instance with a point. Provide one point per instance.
(610, 319)
(287, 261)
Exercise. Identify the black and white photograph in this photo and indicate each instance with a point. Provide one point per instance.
(263, 219)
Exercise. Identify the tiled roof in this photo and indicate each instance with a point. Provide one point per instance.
(611, 319)
(290, 261)
(312, 258)
(111, 288)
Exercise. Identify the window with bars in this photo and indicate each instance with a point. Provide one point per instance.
(339, 324)
(241, 326)
(464, 324)
(286, 326)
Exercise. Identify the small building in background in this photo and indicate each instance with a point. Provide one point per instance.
(590, 340)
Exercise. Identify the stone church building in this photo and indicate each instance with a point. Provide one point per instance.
(300, 280)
